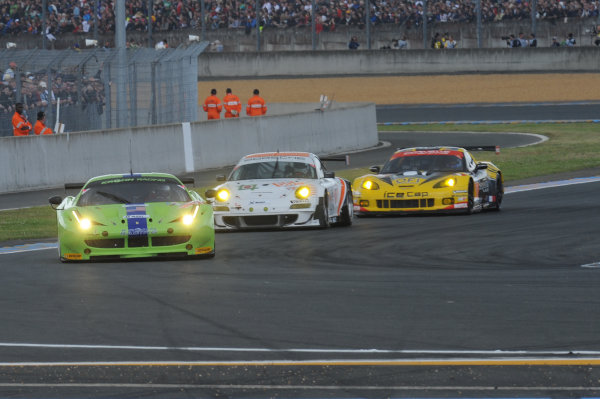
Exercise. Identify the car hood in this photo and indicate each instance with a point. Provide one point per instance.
(414, 179)
(267, 187)
(117, 214)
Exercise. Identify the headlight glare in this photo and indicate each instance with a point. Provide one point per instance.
(189, 218)
(370, 185)
(223, 195)
(447, 182)
(84, 223)
(303, 192)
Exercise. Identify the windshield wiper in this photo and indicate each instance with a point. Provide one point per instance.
(113, 197)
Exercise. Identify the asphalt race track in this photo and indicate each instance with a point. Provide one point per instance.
(495, 305)
(501, 112)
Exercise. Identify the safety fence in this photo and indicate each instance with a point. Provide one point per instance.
(101, 88)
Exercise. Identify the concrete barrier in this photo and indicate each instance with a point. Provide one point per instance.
(396, 62)
(36, 162)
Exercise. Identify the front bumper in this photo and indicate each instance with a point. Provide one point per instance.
(266, 220)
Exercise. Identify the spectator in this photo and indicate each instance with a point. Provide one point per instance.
(353, 45)
(40, 125)
(532, 40)
(212, 105)
(522, 41)
(7, 100)
(597, 34)
(9, 74)
(555, 42)
(21, 126)
(256, 105)
(570, 41)
(46, 97)
(401, 43)
(162, 45)
(232, 105)
(450, 42)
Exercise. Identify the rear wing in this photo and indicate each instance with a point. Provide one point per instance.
(74, 186)
(187, 180)
(344, 158)
(494, 148)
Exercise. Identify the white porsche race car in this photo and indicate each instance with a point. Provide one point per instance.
(281, 190)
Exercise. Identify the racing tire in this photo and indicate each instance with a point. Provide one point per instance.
(347, 212)
(322, 212)
(471, 199)
(499, 194)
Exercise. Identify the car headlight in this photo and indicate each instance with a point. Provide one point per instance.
(447, 182)
(84, 223)
(370, 185)
(189, 218)
(303, 192)
(223, 195)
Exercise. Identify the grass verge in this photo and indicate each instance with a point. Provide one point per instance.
(571, 147)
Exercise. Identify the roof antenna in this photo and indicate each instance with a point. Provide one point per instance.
(130, 160)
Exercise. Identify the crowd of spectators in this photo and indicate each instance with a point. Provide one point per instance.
(84, 96)
(21, 17)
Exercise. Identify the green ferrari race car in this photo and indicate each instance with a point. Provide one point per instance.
(133, 216)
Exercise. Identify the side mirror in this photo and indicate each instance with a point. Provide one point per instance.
(55, 201)
(329, 175)
(375, 169)
(481, 166)
(221, 178)
(210, 193)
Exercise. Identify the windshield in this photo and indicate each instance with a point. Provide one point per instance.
(274, 170)
(428, 163)
(133, 190)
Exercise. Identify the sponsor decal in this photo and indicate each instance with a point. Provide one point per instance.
(130, 179)
(138, 231)
(203, 250)
(247, 187)
(408, 180)
(409, 194)
(73, 256)
(287, 183)
(427, 152)
(277, 154)
(137, 224)
(460, 205)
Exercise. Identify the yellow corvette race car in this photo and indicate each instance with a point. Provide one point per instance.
(429, 179)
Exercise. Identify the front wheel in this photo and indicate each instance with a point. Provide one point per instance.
(499, 194)
(347, 212)
(471, 199)
(322, 212)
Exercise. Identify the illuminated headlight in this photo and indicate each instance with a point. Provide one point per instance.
(303, 192)
(84, 223)
(370, 185)
(448, 182)
(189, 218)
(223, 195)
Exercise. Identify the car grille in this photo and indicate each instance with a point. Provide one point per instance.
(106, 243)
(402, 204)
(169, 240)
(260, 221)
(136, 242)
